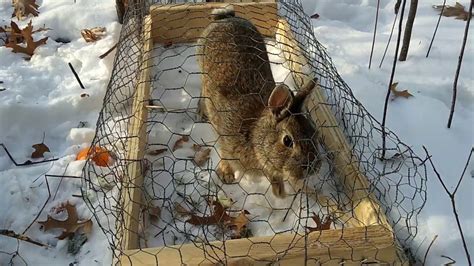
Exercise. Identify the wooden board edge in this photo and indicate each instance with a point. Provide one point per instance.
(184, 23)
(132, 188)
(372, 244)
(366, 208)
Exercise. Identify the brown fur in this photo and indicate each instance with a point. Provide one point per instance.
(237, 84)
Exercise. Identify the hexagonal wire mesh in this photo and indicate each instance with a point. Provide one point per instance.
(233, 164)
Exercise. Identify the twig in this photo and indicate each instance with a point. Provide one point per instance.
(293, 201)
(458, 70)
(77, 76)
(389, 40)
(108, 51)
(452, 197)
(408, 30)
(21, 237)
(28, 162)
(428, 250)
(400, 25)
(436, 29)
(375, 33)
(449, 258)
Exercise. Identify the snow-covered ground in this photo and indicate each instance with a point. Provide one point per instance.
(42, 96)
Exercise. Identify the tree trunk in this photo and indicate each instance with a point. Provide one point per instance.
(121, 7)
(408, 30)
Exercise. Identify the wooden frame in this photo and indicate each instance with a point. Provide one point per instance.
(370, 238)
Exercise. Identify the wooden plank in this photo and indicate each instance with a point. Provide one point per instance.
(366, 209)
(328, 247)
(184, 23)
(133, 185)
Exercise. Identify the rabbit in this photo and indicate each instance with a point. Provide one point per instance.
(262, 130)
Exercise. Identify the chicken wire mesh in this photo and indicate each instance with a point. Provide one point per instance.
(249, 163)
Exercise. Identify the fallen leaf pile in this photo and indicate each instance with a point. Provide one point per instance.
(93, 34)
(326, 225)
(397, 93)
(456, 11)
(23, 8)
(220, 217)
(40, 149)
(71, 225)
(16, 36)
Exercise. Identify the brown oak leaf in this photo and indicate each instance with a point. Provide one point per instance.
(27, 35)
(22, 8)
(70, 225)
(397, 93)
(326, 225)
(40, 149)
(457, 11)
(218, 216)
(180, 142)
(93, 34)
(239, 224)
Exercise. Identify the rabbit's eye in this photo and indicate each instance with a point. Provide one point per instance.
(288, 141)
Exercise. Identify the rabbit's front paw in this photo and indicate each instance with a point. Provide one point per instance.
(225, 172)
(278, 188)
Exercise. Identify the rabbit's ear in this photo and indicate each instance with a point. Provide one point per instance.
(280, 99)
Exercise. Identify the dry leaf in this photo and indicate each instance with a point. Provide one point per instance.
(22, 8)
(239, 224)
(180, 142)
(156, 152)
(40, 149)
(219, 216)
(202, 156)
(326, 225)
(26, 33)
(180, 210)
(70, 225)
(93, 34)
(457, 11)
(154, 212)
(396, 93)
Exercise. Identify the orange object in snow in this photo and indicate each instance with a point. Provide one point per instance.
(98, 155)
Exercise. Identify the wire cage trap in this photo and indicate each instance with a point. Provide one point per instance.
(164, 199)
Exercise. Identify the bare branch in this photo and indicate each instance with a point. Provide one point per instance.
(375, 33)
(458, 70)
(436, 28)
(384, 133)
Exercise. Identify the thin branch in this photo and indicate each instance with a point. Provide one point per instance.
(400, 25)
(458, 70)
(75, 75)
(12, 234)
(452, 262)
(375, 33)
(389, 40)
(26, 163)
(464, 171)
(428, 250)
(436, 29)
(108, 51)
(453, 201)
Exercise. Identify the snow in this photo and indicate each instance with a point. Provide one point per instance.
(42, 96)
